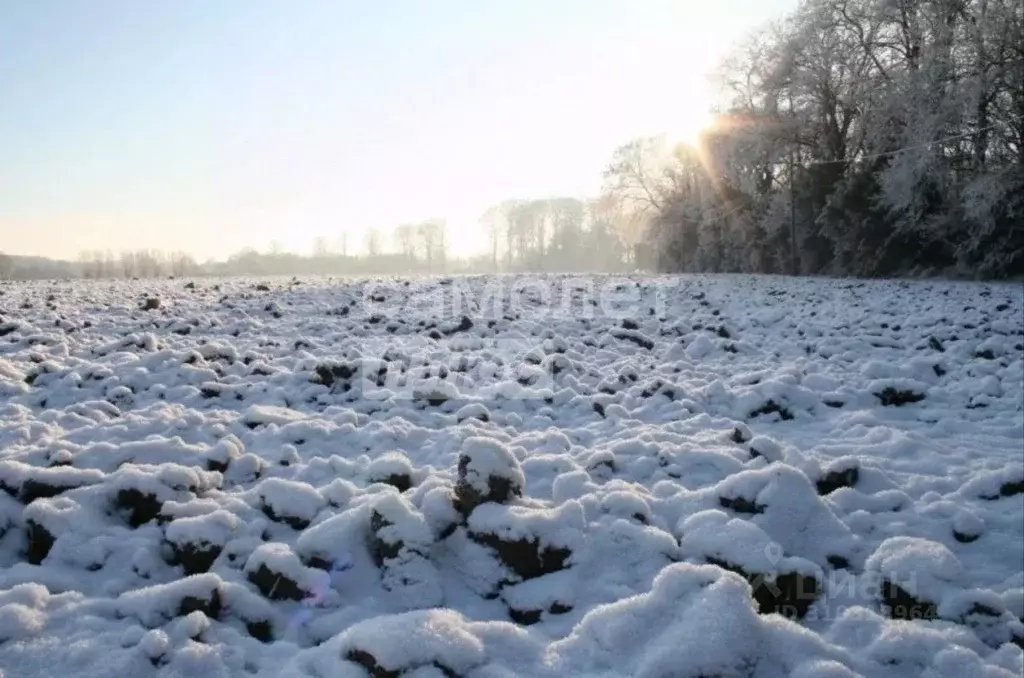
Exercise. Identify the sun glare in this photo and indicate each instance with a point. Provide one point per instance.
(688, 130)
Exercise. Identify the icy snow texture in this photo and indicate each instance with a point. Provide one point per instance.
(855, 430)
(924, 569)
(213, 528)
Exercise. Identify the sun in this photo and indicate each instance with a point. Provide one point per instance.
(687, 129)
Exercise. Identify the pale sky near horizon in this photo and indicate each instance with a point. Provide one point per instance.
(212, 125)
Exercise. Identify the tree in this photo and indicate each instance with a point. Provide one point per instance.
(372, 242)
(492, 221)
(502, 224)
(404, 236)
(431, 237)
(182, 264)
(128, 268)
(321, 248)
(638, 176)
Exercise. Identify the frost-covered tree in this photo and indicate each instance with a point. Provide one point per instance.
(553, 234)
(868, 137)
(372, 242)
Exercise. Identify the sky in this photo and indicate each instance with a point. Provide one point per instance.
(209, 126)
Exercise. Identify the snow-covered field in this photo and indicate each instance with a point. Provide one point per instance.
(650, 477)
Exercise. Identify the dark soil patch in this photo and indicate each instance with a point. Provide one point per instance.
(296, 522)
(897, 397)
(904, 606)
(527, 558)
(261, 630)
(40, 541)
(141, 507)
(789, 594)
(772, 407)
(275, 586)
(194, 558)
(741, 505)
(833, 480)
(211, 606)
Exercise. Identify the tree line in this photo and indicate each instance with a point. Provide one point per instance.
(856, 137)
(561, 234)
(135, 264)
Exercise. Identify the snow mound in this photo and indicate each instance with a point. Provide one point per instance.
(695, 621)
(289, 502)
(530, 542)
(279, 574)
(488, 472)
(401, 546)
(394, 644)
(781, 500)
(916, 575)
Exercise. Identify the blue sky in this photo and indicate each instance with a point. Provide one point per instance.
(213, 125)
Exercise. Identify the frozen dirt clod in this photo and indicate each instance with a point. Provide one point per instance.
(840, 475)
(392, 468)
(890, 396)
(917, 575)
(155, 605)
(488, 472)
(40, 541)
(197, 541)
(277, 572)
(400, 644)
(779, 584)
(286, 501)
(530, 542)
(400, 545)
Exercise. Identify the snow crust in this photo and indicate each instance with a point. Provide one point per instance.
(422, 486)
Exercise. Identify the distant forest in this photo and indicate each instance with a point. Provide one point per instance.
(553, 235)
